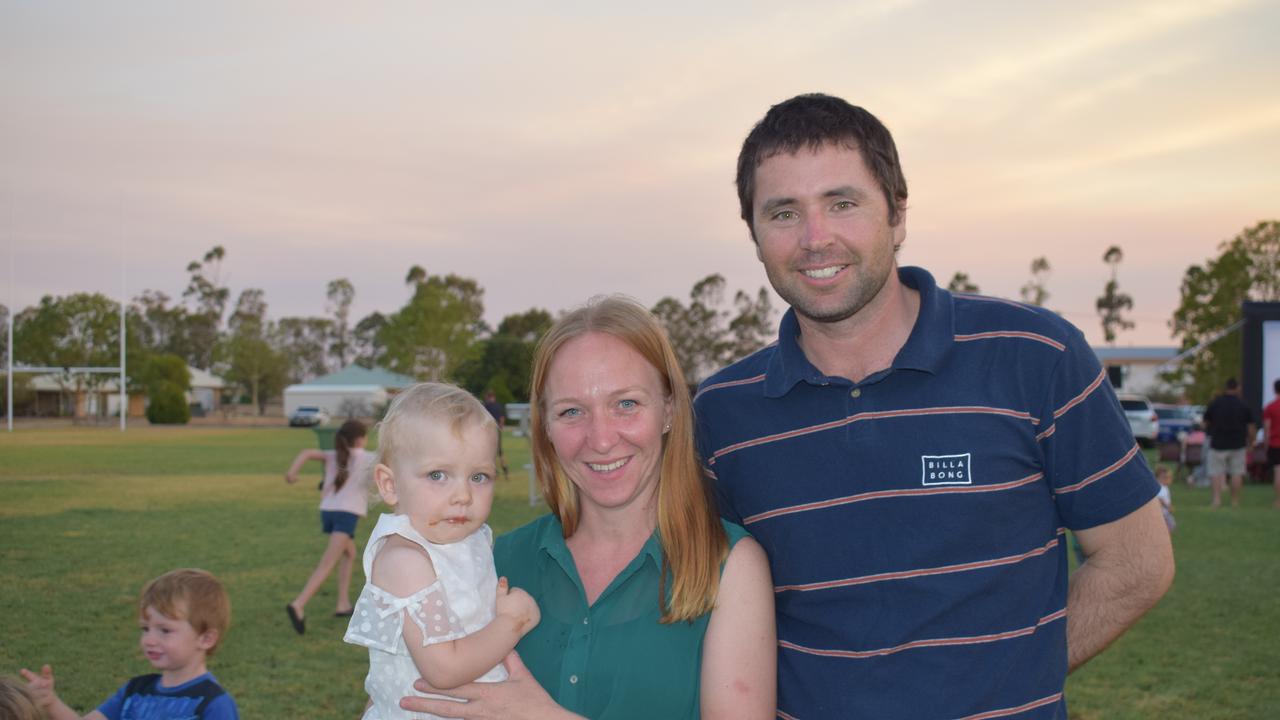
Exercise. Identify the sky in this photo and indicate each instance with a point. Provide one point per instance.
(554, 151)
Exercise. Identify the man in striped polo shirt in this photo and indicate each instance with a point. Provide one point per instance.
(911, 459)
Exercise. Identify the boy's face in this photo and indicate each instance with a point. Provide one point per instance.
(442, 481)
(173, 646)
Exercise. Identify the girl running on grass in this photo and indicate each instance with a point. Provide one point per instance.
(433, 606)
(344, 500)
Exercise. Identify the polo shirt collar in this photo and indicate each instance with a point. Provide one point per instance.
(551, 541)
(930, 338)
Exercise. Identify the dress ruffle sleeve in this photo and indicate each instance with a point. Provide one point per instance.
(378, 619)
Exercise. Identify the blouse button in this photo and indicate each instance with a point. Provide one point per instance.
(573, 679)
(586, 621)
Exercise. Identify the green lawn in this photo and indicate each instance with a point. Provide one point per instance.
(87, 516)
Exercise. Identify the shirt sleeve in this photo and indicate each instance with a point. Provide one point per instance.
(704, 443)
(378, 618)
(223, 707)
(1094, 467)
(111, 706)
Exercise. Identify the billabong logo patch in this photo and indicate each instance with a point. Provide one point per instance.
(946, 470)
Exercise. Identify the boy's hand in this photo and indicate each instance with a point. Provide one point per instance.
(517, 605)
(41, 687)
(291, 478)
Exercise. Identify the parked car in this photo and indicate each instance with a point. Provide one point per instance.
(308, 416)
(1174, 421)
(1143, 420)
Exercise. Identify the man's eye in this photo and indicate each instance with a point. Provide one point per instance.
(843, 205)
(785, 215)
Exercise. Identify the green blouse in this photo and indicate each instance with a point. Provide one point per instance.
(612, 660)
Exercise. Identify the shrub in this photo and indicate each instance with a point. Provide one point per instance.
(168, 405)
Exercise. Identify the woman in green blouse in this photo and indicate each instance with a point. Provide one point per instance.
(651, 606)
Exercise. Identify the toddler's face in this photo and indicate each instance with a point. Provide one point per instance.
(171, 644)
(442, 481)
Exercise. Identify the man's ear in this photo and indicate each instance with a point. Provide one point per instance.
(385, 481)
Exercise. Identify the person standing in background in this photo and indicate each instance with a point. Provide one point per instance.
(1230, 425)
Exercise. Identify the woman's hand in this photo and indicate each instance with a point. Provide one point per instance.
(520, 697)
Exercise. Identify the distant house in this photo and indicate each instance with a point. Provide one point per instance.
(206, 391)
(1134, 369)
(353, 391)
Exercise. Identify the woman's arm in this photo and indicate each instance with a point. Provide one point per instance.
(291, 475)
(519, 697)
(740, 651)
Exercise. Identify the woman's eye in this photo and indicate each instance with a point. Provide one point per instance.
(570, 412)
(437, 475)
(628, 404)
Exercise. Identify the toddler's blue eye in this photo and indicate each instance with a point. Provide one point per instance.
(436, 475)
(480, 478)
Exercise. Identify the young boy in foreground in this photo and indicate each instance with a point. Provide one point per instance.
(183, 615)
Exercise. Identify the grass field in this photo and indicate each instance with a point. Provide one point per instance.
(87, 516)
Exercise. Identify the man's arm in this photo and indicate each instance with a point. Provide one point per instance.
(1129, 567)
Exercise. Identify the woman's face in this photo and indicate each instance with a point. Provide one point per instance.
(607, 410)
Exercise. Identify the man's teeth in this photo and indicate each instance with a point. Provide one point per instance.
(825, 272)
(607, 468)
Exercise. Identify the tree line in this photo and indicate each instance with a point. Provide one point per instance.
(1246, 269)
(438, 334)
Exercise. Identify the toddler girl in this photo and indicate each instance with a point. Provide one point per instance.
(433, 606)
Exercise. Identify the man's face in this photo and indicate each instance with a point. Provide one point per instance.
(822, 231)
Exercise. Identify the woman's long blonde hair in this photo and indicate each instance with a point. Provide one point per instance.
(694, 544)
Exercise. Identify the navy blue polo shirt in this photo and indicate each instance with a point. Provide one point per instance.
(915, 520)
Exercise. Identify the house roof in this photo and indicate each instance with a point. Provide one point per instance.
(205, 379)
(1138, 354)
(355, 375)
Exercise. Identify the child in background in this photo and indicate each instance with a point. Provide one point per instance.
(433, 606)
(16, 700)
(183, 615)
(1164, 476)
(344, 499)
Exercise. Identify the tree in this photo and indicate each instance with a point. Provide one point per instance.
(431, 335)
(251, 360)
(703, 335)
(1112, 303)
(303, 343)
(503, 361)
(1034, 292)
(208, 298)
(366, 350)
(1247, 269)
(340, 293)
(960, 283)
(79, 330)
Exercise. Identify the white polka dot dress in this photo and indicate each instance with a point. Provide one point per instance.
(458, 603)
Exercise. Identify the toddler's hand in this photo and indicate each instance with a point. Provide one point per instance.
(517, 605)
(41, 687)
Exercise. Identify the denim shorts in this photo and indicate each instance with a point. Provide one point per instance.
(332, 521)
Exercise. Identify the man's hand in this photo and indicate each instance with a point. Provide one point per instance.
(1129, 567)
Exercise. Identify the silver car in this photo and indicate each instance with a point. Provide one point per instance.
(1142, 417)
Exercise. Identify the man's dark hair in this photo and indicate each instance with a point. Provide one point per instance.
(1276, 386)
(811, 121)
(1232, 384)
